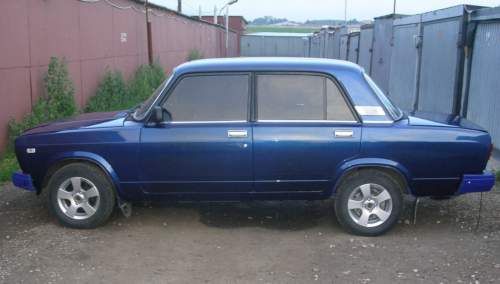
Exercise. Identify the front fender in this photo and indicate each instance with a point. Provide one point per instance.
(93, 158)
(350, 165)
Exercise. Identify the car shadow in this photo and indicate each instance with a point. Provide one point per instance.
(278, 215)
(21, 211)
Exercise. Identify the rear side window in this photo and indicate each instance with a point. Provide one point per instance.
(209, 98)
(336, 106)
(300, 97)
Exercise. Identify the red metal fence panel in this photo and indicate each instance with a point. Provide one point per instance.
(93, 37)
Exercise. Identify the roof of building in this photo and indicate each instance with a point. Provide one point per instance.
(242, 64)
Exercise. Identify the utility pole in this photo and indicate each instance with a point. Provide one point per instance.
(345, 12)
(148, 34)
(226, 7)
(394, 7)
(227, 28)
(179, 6)
(199, 12)
(215, 14)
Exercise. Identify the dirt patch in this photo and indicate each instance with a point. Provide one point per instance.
(268, 242)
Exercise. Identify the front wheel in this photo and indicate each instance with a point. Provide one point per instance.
(81, 196)
(368, 202)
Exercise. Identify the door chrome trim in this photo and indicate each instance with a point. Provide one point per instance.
(378, 121)
(343, 133)
(240, 133)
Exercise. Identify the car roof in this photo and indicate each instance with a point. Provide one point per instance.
(292, 64)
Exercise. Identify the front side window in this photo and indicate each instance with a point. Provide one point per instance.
(300, 97)
(209, 98)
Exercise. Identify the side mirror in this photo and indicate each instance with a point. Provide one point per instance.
(160, 115)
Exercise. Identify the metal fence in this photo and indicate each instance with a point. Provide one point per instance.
(446, 60)
(405, 61)
(92, 36)
(482, 97)
(353, 47)
(275, 44)
(443, 34)
(382, 50)
(366, 48)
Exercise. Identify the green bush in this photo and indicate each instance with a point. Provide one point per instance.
(60, 91)
(146, 79)
(111, 94)
(194, 54)
(114, 94)
(498, 175)
(58, 102)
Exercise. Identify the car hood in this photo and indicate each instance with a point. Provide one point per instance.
(441, 120)
(87, 120)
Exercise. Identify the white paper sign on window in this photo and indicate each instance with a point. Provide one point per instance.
(370, 110)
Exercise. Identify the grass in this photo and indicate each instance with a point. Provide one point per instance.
(8, 165)
(278, 29)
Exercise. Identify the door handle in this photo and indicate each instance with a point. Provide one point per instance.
(344, 133)
(237, 134)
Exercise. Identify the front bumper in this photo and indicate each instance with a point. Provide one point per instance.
(477, 183)
(23, 181)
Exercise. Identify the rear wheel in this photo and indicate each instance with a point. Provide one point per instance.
(368, 202)
(81, 196)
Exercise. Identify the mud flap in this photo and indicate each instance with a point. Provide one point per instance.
(125, 207)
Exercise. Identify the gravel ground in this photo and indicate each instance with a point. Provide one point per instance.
(255, 242)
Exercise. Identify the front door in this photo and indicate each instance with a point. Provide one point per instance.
(305, 128)
(207, 145)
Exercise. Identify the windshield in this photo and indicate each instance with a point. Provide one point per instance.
(143, 109)
(394, 111)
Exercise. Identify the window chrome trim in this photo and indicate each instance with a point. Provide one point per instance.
(311, 120)
(378, 121)
(207, 122)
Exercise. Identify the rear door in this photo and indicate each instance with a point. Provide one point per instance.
(305, 129)
(207, 146)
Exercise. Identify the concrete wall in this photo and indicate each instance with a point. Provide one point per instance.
(92, 37)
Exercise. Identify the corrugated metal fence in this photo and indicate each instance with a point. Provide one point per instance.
(482, 99)
(276, 44)
(92, 36)
(446, 60)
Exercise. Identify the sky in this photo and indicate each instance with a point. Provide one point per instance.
(302, 10)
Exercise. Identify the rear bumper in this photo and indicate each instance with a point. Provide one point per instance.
(23, 181)
(477, 183)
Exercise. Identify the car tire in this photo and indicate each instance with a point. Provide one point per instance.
(81, 196)
(368, 202)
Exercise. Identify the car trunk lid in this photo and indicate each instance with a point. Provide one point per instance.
(441, 120)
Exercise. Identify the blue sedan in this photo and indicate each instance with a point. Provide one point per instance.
(261, 128)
